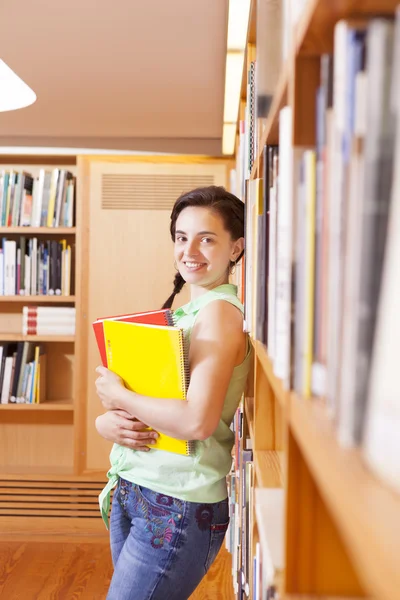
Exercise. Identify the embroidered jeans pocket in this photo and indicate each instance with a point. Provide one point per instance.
(217, 535)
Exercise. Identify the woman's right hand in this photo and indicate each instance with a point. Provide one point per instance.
(120, 427)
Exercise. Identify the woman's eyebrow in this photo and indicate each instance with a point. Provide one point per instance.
(199, 233)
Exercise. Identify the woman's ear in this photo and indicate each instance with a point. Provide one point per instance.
(237, 249)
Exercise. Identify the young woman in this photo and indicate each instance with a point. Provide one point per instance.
(170, 512)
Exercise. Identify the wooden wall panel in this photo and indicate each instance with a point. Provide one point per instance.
(36, 443)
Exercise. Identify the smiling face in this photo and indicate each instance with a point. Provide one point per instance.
(203, 248)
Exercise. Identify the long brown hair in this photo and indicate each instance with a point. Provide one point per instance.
(227, 205)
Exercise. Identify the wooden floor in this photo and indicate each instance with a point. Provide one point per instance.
(40, 570)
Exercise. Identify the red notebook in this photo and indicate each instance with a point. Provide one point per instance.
(154, 317)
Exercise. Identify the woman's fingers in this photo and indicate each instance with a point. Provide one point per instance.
(136, 444)
(135, 425)
(149, 436)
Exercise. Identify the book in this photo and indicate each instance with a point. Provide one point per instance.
(151, 360)
(154, 317)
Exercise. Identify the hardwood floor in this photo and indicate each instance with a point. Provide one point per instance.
(46, 570)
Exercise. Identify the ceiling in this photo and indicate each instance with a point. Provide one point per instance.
(139, 75)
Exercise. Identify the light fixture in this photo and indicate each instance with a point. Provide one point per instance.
(238, 20)
(14, 93)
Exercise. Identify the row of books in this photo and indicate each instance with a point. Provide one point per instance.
(256, 563)
(35, 267)
(22, 373)
(44, 201)
(48, 320)
(322, 253)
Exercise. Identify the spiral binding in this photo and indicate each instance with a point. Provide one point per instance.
(184, 357)
(169, 315)
(190, 447)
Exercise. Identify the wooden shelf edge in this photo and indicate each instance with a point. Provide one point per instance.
(314, 31)
(269, 468)
(38, 230)
(18, 337)
(364, 509)
(51, 405)
(39, 299)
(276, 384)
(249, 412)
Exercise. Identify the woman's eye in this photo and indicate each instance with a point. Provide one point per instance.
(206, 240)
(180, 238)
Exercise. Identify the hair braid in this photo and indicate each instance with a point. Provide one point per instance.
(179, 282)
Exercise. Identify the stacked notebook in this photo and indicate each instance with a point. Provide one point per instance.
(148, 352)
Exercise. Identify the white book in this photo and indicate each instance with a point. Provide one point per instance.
(1, 272)
(382, 430)
(379, 151)
(51, 329)
(272, 273)
(48, 310)
(27, 275)
(284, 248)
(352, 272)
(10, 261)
(300, 265)
(34, 274)
(381, 436)
(5, 392)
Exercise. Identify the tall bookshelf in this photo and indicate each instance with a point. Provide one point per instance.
(340, 522)
(39, 438)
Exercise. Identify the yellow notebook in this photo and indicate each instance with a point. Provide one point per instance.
(151, 360)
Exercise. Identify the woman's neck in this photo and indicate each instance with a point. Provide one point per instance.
(199, 290)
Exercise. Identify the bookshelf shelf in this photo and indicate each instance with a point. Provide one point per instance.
(365, 510)
(39, 299)
(269, 468)
(277, 385)
(37, 231)
(314, 32)
(18, 337)
(51, 405)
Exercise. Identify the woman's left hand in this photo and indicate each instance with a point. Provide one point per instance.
(109, 387)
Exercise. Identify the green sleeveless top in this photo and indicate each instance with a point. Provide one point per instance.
(200, 477)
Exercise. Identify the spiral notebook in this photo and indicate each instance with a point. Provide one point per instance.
(152, 361)
(154, 317)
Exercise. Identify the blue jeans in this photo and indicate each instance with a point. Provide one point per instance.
(161, 547)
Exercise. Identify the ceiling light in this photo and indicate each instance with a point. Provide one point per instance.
(228, 138)
(238, 18)
(14, 93)
(238, 22)
(233, 83)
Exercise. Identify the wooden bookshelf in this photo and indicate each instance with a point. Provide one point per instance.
(280, 393)
(19, 337)
(269, 468)
(39, 299)
(31, 231)
(341, 531)
(63, 405)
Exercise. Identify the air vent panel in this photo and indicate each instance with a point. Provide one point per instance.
(147, 191)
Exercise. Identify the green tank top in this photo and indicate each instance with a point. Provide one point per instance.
(200, 477)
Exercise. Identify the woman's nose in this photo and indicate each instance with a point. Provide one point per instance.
(192, 248)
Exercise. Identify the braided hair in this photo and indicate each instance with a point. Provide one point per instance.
(227, 205)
